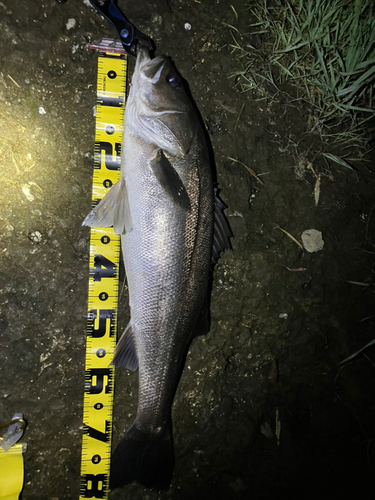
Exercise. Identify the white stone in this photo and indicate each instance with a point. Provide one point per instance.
(312, 240)
(71, 24)
(26, 189)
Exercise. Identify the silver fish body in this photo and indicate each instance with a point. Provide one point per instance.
(164, 208)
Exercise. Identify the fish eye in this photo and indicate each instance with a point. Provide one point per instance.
(173, 81)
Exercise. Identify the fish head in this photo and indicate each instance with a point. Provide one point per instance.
(158, 108)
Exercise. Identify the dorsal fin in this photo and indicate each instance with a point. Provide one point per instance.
(222, 231)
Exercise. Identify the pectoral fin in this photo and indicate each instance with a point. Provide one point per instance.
(169, 180)
(112, 210)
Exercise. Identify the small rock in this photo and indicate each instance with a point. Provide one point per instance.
(36, 236)
(71, 24)
(312, 240)
(32, 190)
(27, 192)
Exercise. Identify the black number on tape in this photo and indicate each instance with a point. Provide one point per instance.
(94, 485)
(104, 315)
(98, 378)
(104, 268)
(112, 101)
(98, 435)
(111, 161)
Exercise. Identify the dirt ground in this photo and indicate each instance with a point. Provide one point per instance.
(263, 409)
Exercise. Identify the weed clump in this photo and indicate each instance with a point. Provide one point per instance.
(327, 50)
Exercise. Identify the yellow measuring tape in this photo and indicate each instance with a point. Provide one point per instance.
(11, 472)
(103, 284)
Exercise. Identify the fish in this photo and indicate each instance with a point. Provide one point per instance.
(172, 231)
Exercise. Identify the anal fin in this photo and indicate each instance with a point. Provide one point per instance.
(126, 352)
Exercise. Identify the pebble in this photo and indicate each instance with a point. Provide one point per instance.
(36, 236)
(26, 191)
(312, 240)
(71, 24)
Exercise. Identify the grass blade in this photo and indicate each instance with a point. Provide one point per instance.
(358, 352)
(338, 160)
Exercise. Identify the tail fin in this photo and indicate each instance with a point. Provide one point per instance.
(144, 455)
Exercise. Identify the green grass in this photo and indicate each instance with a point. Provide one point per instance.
(327, 49)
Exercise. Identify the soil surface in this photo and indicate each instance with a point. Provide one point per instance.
(263, 408)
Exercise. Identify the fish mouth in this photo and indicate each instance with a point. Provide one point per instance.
(151, 69)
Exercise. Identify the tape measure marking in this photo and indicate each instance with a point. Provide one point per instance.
(103, 285)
